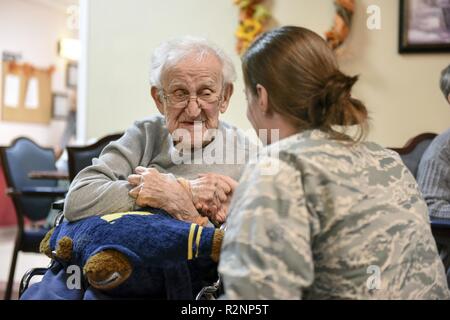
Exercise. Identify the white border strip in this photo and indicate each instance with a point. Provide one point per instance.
(83, 73)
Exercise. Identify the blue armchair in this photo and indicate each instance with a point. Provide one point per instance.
(32, 198)
(79, 157)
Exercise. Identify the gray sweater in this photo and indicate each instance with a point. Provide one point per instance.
(103, 187)
(433, 176)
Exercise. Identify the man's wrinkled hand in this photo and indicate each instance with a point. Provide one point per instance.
(211, 194)
(163, 191)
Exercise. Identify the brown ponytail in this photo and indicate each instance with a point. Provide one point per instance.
(304, 83)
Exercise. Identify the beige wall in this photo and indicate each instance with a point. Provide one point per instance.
(33, 30)
(401, 91)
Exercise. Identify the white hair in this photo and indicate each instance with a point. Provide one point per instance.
(171, 52)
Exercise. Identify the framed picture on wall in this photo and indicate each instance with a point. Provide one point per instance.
(72, 75)
(424, 26)
(61, 107)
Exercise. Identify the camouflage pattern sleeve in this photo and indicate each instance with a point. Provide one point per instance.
(267, 252)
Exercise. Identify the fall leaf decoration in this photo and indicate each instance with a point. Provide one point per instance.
(253, 17)
(342, 23)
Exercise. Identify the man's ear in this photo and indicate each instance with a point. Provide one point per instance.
(158, 99)
(448, 98)
(228, 92)
(262, 99)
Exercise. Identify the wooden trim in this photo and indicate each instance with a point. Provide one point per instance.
(413, 142)
(55, 193)
(48, 175)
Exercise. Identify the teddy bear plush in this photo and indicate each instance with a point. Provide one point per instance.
(138, 254)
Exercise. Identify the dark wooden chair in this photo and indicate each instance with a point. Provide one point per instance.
(414, 149)
(32, 199)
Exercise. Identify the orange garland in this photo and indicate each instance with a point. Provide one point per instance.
(253, 18)
(28, 69)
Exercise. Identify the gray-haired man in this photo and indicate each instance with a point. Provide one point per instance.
(191, 84)
(433, 175)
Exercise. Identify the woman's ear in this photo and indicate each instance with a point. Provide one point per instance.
(262, 99)
(158, 99)
(448, 98)
(228, 92)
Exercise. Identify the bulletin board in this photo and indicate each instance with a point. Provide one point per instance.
(26, 93)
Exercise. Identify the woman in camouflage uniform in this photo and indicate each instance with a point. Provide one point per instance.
(340, 218)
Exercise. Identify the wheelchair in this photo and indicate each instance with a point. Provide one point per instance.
(31, 273)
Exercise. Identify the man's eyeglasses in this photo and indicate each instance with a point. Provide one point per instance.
(181, 99)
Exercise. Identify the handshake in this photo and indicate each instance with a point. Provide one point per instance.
(205, 198)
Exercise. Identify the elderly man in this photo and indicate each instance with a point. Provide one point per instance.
(172, 162)
(433, 174)
(159, 162)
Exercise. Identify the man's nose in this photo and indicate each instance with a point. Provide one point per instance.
(193, 109)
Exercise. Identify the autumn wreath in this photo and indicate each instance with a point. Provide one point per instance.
(254, 17)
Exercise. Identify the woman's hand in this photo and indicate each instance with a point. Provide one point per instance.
(157, 190)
